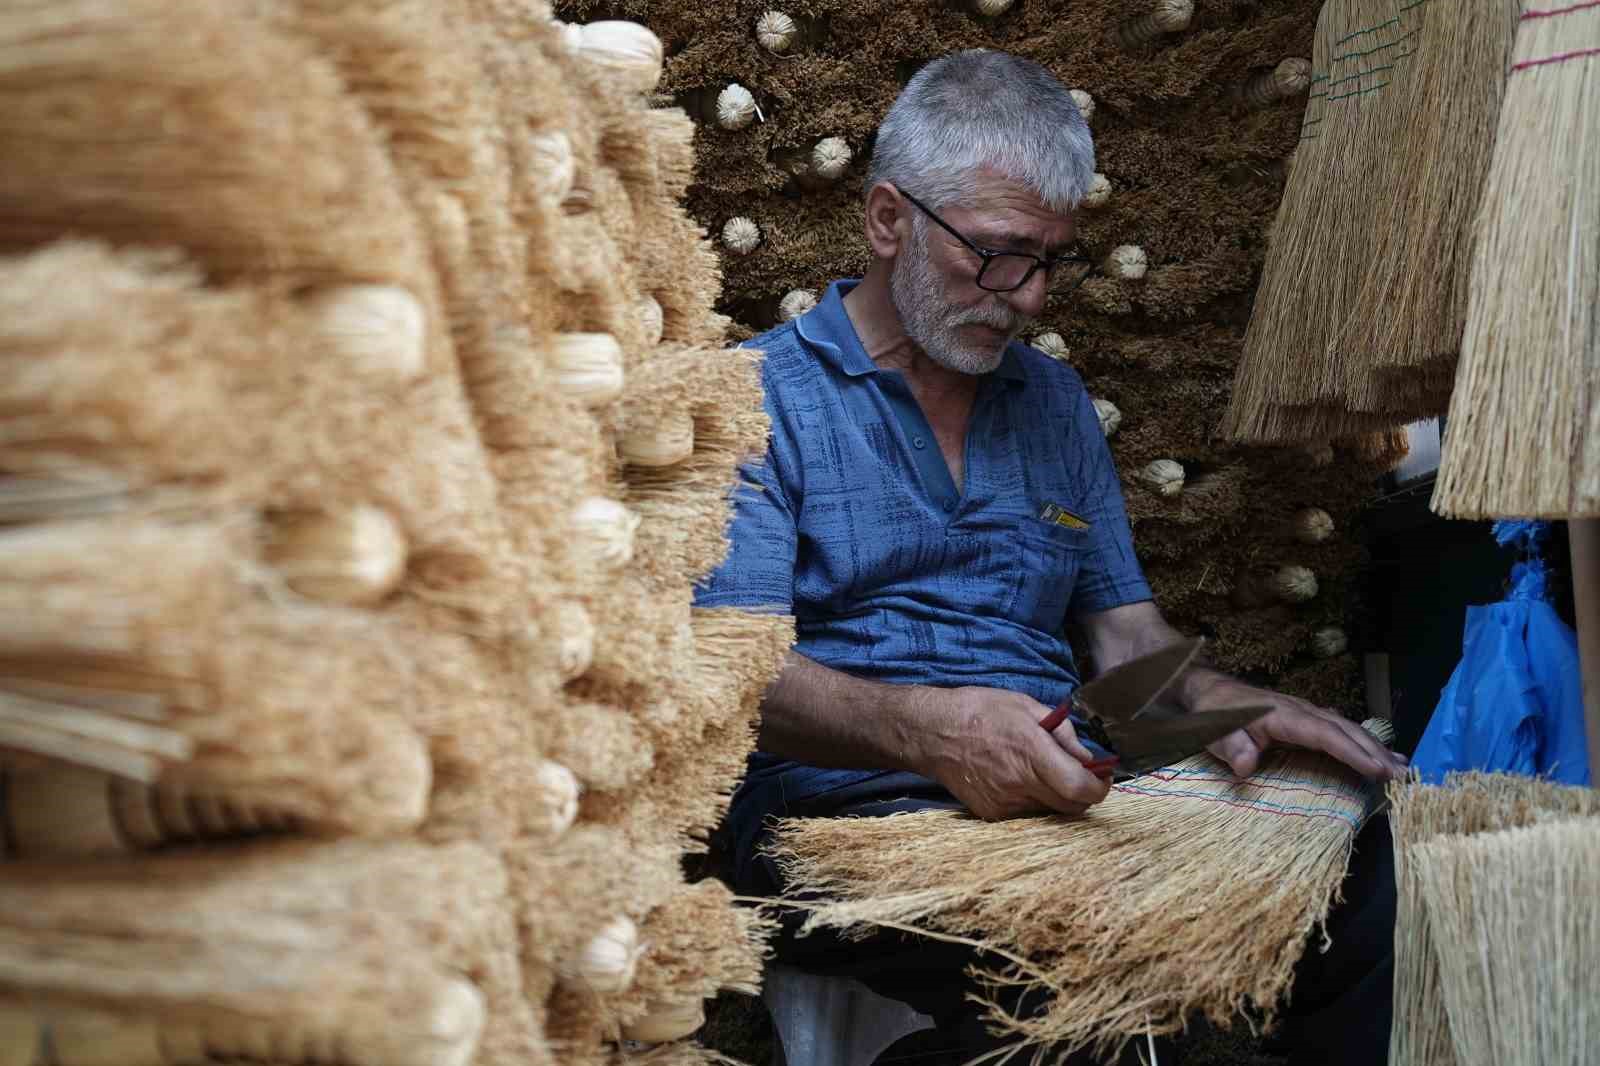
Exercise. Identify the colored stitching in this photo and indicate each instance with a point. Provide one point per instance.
(1281, 810)
(1553, 12)
(1358, 92)
(1381, 47)
(1358, 33)
(1358, 75)
(1414, 3)
(1562, 58)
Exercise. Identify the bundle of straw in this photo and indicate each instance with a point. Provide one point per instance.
(277, 953)
(1466, 805)
(1359, 313)
(1517, 934)
(1524, 424)
(1206, 868)
(152, 123)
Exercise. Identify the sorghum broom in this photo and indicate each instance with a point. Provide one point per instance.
(279, 952)
(244, 396)
(1320, 244)
(1466, 804)
(700, 753)
(1517, 936)
(145, 123)
(134, 647)
(1524, 422)
(1187, 891)
(1410, 313)
(714, 397)
(697, 943)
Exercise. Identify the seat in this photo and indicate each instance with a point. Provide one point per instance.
(832, 1021)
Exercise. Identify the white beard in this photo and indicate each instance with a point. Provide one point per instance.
(914, 290)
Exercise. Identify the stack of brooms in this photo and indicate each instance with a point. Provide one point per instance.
(363, 428)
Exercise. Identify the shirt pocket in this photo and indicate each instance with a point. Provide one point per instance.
(1045, 561)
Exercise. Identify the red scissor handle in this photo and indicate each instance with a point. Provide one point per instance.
(1099, 767)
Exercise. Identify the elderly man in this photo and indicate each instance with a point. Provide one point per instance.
(937, 504)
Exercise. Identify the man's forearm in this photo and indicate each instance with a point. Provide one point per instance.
(817, 715)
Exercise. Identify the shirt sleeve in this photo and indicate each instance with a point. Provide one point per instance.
(1110, 574)
(758, 572)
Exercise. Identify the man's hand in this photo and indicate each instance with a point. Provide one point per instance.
(1295, 723)
(986, 746)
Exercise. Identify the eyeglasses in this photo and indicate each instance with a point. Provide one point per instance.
(1010, 271)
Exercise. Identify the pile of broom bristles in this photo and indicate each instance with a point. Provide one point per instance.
(364, 426)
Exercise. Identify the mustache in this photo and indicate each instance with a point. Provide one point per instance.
(994, 316)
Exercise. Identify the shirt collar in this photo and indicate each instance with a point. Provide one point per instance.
(828, 331)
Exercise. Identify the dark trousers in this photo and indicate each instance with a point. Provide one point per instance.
(1339, 1007)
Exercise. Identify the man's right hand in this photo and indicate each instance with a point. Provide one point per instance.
(986, 746)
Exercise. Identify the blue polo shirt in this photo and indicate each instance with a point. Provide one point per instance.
(854, 525)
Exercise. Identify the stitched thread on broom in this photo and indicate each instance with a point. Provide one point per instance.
(1554, 11)
(1562, 58)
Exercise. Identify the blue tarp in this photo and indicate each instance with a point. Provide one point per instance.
(1514, 704)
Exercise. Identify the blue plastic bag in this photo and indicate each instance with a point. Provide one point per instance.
(1514, 704)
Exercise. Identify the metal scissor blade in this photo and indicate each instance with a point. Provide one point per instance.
(1159, 740)
(1123, 691)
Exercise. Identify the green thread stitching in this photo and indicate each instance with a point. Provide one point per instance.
(1358, 33)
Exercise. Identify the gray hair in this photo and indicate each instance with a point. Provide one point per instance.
(981, 108)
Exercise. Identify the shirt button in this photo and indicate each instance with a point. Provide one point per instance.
(918, 442)
(948, 505)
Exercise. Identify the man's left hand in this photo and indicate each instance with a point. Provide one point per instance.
(1293, 722)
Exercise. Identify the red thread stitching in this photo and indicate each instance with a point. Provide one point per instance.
(1525, 64)
(1559, 10)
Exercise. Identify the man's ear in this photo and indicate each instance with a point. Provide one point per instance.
(888, 220)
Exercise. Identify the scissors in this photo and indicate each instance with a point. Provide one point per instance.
(1124, 711)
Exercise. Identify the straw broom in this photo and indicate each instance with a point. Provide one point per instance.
(152, 123)
(1518, 940)
(1524, 423)
(1236, 874)
(274, 953)
(1409, 315)
(1466, 804)
(1319, 246)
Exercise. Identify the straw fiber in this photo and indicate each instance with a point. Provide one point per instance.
(1518, 940)
(1466, 808)
(1524, 426)
(1219, 885)
(293, 543)
(1364, 290)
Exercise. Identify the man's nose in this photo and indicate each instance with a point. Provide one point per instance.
(1029, 299)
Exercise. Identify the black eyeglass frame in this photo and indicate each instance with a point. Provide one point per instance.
(987, 256)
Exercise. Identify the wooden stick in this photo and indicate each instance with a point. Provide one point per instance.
(1584, 540)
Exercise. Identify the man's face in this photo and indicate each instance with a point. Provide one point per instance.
(933, 283)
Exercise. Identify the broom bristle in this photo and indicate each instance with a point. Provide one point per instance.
(1123, 961)
(1517, 935)
(1466, 804)
(1524, 423)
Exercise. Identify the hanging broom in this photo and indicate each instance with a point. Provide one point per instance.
(1320, 245)
(1524, 423)
(1215, 886)
(1515, 929)
(1405, 327)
